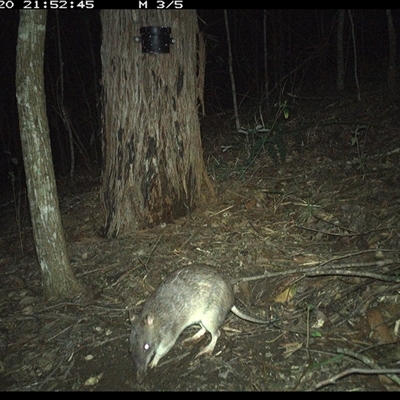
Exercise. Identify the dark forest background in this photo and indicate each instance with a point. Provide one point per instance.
(301, 48)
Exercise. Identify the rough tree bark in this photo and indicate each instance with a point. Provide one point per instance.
(58, 279)
(153, 168)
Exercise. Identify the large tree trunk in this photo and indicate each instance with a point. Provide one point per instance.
(58, 279)
(153, 168)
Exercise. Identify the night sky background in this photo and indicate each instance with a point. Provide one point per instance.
(301, 60)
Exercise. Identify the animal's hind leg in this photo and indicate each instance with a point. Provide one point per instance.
(195, 338)
(210, 347)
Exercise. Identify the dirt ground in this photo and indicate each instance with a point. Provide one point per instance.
(317, 233)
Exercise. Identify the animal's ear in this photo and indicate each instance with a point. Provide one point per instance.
(132, 316)
(149, 319)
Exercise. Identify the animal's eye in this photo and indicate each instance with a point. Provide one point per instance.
(146, 346)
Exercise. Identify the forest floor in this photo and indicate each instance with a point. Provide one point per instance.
(311, 210)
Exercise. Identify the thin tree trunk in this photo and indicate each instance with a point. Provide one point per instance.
(353, 35)
(60, 100)
(266, 79)
(58, 279)
(230, 62)
(340, 52)
(392, 56)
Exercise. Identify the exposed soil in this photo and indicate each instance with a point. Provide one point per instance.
(325, 221)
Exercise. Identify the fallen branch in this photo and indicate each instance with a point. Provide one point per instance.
(360, 371)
